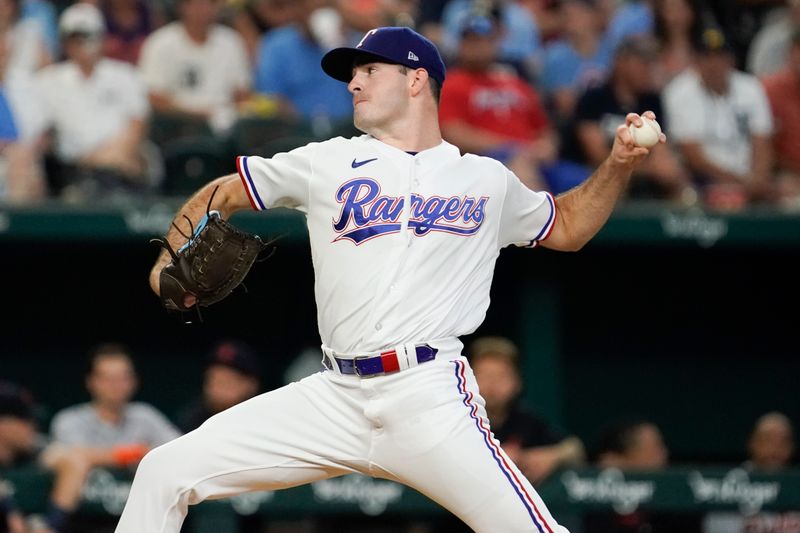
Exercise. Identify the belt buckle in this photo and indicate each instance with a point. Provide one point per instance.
(358, 373)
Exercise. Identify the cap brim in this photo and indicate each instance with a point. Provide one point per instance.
(338, 63)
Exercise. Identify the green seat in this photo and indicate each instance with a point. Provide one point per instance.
(193, 162)
(167, 128)
(250, 134)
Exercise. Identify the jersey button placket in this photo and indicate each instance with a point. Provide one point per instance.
(383, 304)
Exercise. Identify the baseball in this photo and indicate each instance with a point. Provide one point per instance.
(647, 134)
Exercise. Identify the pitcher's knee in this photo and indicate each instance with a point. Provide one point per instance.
(157, 467)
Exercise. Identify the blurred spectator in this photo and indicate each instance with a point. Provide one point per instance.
(21, 126)
(770, 449)
(600, 110)
(675, 22)
(520, 43)
(304, 89)
(110, 430)
(631, 18)
(231, 377)
(488, 109)
(11, 519)
(545, 13)
(783, 91)
(98, 109)
(22, 52)
(576, 62)
(767, 53)
(740, 20)
(720, 119)
(771, 443)
(128, 23)
(253, 19)
(534, 446)
(196, 67)
(635, 445)
(21, 445)
(363, 15)
(429, 20)
(632, 445)
(18, 445)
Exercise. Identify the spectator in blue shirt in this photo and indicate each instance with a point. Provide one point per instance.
(579, 60)
(303, 88)
(520, 45)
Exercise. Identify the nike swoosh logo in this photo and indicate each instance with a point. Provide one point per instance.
(356, 164)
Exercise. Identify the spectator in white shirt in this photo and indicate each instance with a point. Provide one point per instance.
(196, 67)
(98, 109)
(721, 121)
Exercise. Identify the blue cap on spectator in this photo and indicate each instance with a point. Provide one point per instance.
(237, 355)
(15, 401)
(478, 24)
(402, 46)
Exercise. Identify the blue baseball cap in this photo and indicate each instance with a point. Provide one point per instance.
(402, 46)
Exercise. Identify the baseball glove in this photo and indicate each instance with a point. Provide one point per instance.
(213, 262)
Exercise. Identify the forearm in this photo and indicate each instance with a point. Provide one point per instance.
(582, 211)
(229, 198)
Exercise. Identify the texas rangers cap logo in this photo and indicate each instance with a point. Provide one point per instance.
(391, 44)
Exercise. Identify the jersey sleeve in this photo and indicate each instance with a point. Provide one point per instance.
(528, 216)
(280, 181)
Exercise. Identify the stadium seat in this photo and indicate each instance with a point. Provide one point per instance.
(167, 128)
(193, 161)
(283, 144)
(250, 134)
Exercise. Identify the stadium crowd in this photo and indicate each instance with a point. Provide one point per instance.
(118, 99)
(114, 100)
(114, 430)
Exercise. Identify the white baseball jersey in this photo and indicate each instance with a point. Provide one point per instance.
(404, 246)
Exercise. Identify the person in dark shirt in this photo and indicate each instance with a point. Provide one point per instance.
(231, 377)
(629, 89)
(17, 442)
(535, 447)
(635, 445)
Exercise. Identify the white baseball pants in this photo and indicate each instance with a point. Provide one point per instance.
(425, 427)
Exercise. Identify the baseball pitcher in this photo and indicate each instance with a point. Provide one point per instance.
(404, 232)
